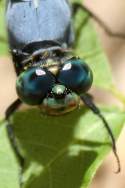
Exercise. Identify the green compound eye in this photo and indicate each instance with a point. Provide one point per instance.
(33, 85)
(76, 75)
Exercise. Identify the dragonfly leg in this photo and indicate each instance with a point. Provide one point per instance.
(86, 98)
(10, 110)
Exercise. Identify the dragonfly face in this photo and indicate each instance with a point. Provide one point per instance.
(56, 87)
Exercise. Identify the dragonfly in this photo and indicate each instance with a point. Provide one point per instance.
(41, 35)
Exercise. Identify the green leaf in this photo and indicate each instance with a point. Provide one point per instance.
(3, 34)
(9, 168)
(76, 1)
(87, 46)
(64, 151)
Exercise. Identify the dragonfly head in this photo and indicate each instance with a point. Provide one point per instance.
(55, 92)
